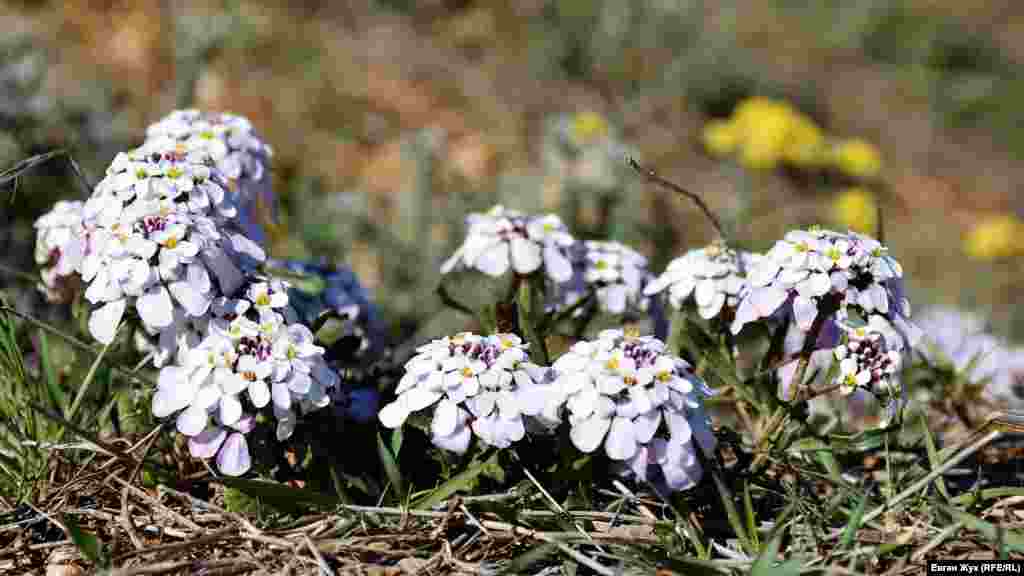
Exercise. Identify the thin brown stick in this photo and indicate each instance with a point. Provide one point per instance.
(192, 566)
(138, 493)
(222, 534)
(126, 522)
(653, 176)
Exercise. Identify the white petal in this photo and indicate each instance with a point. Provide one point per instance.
(558, 267)
(259, 393)
(155, 307)
(104, 321)
(526, 255)
(445, 418)
(192, 421)
(233, 459)
(493, 262)
(805, 311)
(393, 415)
(621, 441)
(645, 425)
(230, 410)
(588, 433)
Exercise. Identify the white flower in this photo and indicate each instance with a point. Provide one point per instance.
(869, 360)
(251, 358)
(964, 341)
(617, 273)
(61, 240)
(807, 266)
(715, 276)
(642, 404)
(477, 384)
(503, 238)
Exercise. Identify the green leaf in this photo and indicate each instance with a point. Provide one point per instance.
(464, 481)
(1011, 539)
(281, 496)
(731, 513)
(56, 394)
(87, 543)
(846, 541)
(520, 564)
(765, 563)
(530, 302)
(748, 506)
(391, 469)
(396, 440)
(933, 458)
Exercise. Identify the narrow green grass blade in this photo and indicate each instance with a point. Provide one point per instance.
(464, 481)
(391, 469)
(732, 515)
(281, 496)
(933, 458)
(89, 377)
(1011, 539)
(748, 506)
(57, 397)
(986, 494)
(520, 564)
(87, 543)
(850, 532)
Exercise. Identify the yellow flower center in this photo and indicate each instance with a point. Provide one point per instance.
(834, 254)
(206, 135)
(629, 380)
(664, 376)
(171, 243)
(263, 299)
(467, 372)
(174, 173)
(803, 246)
(612, 364)
(140, 174)
(292, 352)
(250, 376)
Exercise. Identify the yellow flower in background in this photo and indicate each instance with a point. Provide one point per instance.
(586, 127)
(856, 209)
(763, 143)
(805, 146)
(858, 158)
(720, 137)
(998, 236)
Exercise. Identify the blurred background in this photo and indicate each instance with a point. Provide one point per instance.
(391, 119)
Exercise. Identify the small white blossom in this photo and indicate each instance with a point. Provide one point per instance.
(61, 240)
(807, 266)
(869, 360)
(501, 239)
(251, 358)
(644, 405)
(617, 273)
(715, 276)
(964, 341)
(475, 384)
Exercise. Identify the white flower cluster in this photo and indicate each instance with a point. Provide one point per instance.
(617, 273)
(60, 246)
(619, 390)
(252, 356)
(807, 266)
(715, 276)
(486, 380)
(964, 341)
(231, 142)
(162, 239)
(868, 361)
(503, 238)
